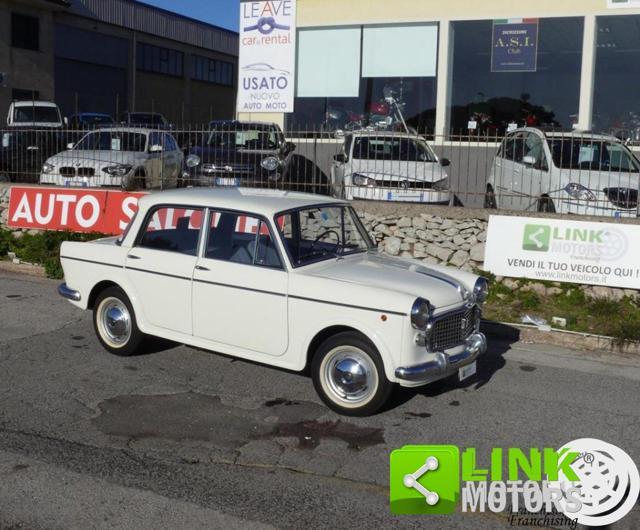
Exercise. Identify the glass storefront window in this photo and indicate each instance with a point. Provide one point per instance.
(616, 108)
(350, 78)
(490, 94)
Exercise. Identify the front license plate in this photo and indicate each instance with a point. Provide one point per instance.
(223, 181)
(467, 371)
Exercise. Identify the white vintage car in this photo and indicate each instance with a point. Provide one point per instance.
(390, 166)
(286, 279)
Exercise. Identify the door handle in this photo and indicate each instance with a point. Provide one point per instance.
(201, 268)
(131, 256)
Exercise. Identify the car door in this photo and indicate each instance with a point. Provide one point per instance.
(161, 263)
(155, 160)
(534, 179)
(240, 286)
(508, 170)
(339, 166)
(171, 160)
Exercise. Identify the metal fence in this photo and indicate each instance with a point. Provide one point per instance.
(530, 170)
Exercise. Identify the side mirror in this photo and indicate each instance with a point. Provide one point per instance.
(445, 162)
(289, 147)
(340, 158)
(66, 121)
(155, 148)
(529, 160)
(70, 146)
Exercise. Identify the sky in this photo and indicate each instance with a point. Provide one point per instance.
(224, 13)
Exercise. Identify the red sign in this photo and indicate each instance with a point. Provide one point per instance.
(77, 210)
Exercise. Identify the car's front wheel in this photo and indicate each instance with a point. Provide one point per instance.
(348, 375)
(115, 322)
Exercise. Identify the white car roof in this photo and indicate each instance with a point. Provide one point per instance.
(567, 134)
(120, 129)
(34, 104)
(258, 201)
(390, 134)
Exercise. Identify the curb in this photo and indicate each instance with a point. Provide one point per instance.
(567, 339)
(22, 268)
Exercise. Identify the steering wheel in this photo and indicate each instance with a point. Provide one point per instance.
(323, 235)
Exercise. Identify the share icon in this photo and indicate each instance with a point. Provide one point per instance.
(411, 480)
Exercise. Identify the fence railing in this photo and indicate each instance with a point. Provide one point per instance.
(543, 171)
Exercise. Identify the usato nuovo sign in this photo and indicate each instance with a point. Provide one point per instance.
(564, 251)
(266, 66)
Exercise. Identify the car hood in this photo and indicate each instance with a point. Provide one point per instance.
(443, 287)
(598, 180)
(398, 170)
(210, 155)
(86, 158)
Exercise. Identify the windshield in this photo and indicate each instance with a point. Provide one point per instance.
(95, 119)
(241, 138)
(113, 141)
(36, 114)
(390, 148)
(596, 155)
(316, 234)
(146, 119)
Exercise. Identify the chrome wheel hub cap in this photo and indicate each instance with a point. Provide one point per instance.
(349, 376)
(115, 322)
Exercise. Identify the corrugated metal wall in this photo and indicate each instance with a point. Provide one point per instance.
(140, 17)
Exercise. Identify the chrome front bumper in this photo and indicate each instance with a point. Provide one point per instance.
(444, 365)
(68, 293)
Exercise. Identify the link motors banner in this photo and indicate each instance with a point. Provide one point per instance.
(564, 251)
(76, 210)
(515, 45)
(266, 67)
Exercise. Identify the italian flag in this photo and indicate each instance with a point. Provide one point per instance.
(516, 21)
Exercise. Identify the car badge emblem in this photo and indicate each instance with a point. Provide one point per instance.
(228, 169)
(463, 324)
(404, 185)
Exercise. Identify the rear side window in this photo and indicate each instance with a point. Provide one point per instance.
(239, 238)
(172, 230)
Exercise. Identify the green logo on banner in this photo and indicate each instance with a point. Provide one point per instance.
(425, 479)
(537, 238)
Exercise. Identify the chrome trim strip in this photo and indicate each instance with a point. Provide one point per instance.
(444, 365)
(70, 294)
(93, 262)
(272, 293)
(159, 273)
(348, 305)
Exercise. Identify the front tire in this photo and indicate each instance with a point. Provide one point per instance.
(545, 205)
(114, 322)
(490, 199)
(348, 375)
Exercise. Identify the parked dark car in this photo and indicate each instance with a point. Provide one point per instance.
(89, 120)
(151, 120)
(239, 153)
(23, 151)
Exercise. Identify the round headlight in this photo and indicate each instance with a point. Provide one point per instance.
(192, 161)
(481, 290)
(270, 163)
(47, 168)
(420, 313)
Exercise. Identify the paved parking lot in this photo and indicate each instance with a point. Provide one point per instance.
(185, 438)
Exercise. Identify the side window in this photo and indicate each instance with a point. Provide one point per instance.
(348, 140)
(241, 238)
(170, 143)
(514, 148)
(534, 147)
(155, 138)
(172, 230)
(619, 159)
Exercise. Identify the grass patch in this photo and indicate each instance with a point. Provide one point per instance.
(42, 248)
(619, 319)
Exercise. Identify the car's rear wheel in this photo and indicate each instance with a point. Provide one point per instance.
(348, 375)
(545, 205)
(115, 322)
(490, 199)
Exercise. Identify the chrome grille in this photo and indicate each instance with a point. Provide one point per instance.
(86, 172)
(452, 330)
(404, 184)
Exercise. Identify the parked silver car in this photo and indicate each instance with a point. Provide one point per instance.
(129, 158)
(564, 172)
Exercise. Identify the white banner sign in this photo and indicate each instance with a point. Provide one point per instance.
(622, 4)
(564, 251)
(266, 70)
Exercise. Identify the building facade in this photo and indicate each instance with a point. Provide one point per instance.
(451, 64)
(113, 56)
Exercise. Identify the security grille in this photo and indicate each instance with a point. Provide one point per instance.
(452, 330)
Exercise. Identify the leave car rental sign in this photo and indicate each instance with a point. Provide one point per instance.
(266, 66)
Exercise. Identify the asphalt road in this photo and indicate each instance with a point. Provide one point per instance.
(183, 438)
